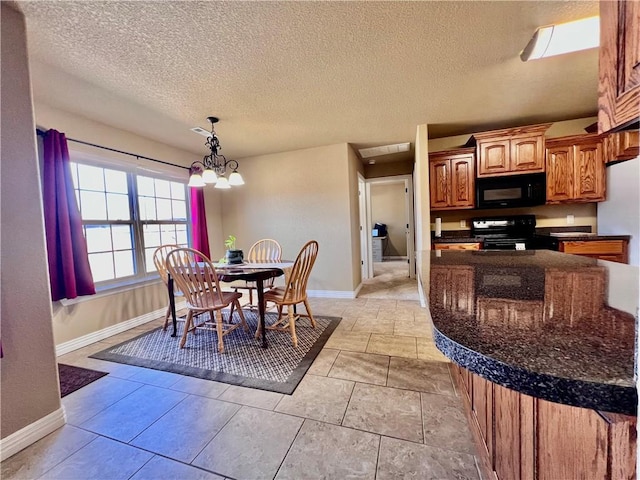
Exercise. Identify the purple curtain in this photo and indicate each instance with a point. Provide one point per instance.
(69, 270)
(199, 222)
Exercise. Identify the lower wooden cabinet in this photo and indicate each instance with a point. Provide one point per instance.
(612, 250)
(457, 246)
(526, 438)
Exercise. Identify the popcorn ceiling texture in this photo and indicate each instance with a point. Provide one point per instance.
(288, 75)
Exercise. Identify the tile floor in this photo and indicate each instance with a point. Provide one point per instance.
(378, 403)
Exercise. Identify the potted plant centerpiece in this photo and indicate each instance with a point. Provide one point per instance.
(233, 256)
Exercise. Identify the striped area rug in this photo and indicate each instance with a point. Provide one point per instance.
(278, 368)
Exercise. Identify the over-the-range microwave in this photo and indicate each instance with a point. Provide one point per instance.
(511, 191)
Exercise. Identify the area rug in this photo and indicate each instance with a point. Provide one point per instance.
(73, 378)
(278, 368)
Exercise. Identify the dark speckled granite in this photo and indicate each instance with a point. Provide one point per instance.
(555, 326)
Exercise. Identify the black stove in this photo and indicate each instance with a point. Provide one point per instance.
(515, 232)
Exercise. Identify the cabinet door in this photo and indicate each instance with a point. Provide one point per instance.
(462, 182)
(588, 297)
(462, 290)
(589, 172)
(558, 287)
(493, 157)
(527, 154)
(619, 83)
(560, 173)
(439, 181)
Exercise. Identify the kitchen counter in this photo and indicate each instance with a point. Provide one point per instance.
(581, 236)
(454, 236)
(553, 326)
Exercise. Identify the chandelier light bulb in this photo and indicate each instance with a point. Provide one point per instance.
(209, 176)
(196, 180)
(222, 183)
(235, 179)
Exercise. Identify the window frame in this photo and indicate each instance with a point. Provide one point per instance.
(140, 276)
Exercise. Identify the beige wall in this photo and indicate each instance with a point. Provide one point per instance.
(355, 167)
(421, 190)
(388, 169)
(29, 378)
(546, 215)
(96, 313)
(294, 197)
(388, 207)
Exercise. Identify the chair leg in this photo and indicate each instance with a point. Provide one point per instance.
(251, 297)
(231, 311)
(166, 318)
(241, 315)
(313, 320)
(187, 325)
(292, 325)
(216, 316)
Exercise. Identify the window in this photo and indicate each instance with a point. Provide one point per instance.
(125, 217)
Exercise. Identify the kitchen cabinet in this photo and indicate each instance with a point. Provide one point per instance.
(575, 169)
(458, 246)
(524, 437)
(571, 297)
(619, 65)
(612, 250)
(510, 151)
(515, 314)
(621, 146)
(452, 179)
(452, 289)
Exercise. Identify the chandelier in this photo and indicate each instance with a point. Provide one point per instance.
(213, 167)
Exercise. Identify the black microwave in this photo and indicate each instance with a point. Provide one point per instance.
(511, 191)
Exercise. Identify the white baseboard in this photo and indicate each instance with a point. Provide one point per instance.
(93, 337)
(331, 293)
(31, 433)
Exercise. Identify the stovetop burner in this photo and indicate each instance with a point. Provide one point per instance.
(506, 232)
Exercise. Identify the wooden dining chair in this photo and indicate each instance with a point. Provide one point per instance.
(196, 277)
(266, 250)
(160, 261)
(293, 293)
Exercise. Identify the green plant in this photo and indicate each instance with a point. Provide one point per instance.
(230, 243)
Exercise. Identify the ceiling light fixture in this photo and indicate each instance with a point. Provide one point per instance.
(213, 167)
(384, 150)
(563, 38)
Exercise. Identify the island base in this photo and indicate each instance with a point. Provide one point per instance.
(522, 437)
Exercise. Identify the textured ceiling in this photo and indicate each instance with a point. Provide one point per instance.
(289, 75)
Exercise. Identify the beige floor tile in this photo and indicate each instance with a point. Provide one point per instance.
(412, 329)
(101, 459)
(373, 325)
(420, 375)
(445, 424)
(323, 362)
(427, 350)
(387, 411)
(251, 397)
(392, 346)
(186, 429)
(45, 454)
(352, 341)
(401, 459)
(361, 367)
(200, 386)
(346, 324)
(251, 446)
(163, 468)
(323, 451)
(318, 398)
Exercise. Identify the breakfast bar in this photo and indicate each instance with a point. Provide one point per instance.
(543, 345)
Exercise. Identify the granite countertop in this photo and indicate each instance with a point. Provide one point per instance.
(550, 325)
(455, 236)
(582, 236)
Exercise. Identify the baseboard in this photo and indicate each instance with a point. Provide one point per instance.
(331, 293)
(93, 337)
(31, 433)
(387, 258)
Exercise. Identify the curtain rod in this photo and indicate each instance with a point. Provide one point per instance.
(42, 132)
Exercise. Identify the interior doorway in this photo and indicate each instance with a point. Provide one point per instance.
(389, 203)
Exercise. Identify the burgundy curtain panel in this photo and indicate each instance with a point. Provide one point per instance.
(69, 270)
(200, 238)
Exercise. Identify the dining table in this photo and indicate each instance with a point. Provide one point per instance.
(250, 272)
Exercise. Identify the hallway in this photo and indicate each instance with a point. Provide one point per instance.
(391, 280)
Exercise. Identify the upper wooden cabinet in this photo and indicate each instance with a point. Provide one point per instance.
(619, 70)
(621, 146)
(452, 179)
(575, 169)
(511, 151)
